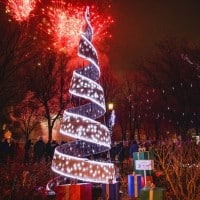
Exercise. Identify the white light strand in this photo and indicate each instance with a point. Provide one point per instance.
(91, 137)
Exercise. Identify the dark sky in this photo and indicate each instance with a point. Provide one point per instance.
(141, 23)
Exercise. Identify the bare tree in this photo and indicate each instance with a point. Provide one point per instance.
(179, 166)
(175, 84)
(28, 114)
(132, 103)
(50, 83)
(122, 111)
(16, 51)
(110, 86)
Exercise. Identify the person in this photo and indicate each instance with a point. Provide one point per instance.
(121, 155)
(12, 150)
(39, 150)
(113, 152)
(27, 148)
(5, 150)
(133, 148)
(48, 151)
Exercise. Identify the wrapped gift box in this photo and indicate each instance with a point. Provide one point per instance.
(149, 180)
(80, 191)
(134, 185)
(156, 193)
(144, 155)
(110, 191)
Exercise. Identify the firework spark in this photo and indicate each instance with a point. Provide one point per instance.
(64, 23)
(20, 9)
(100, 24)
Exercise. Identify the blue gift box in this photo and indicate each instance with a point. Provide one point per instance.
(110, 191)
(134, 185)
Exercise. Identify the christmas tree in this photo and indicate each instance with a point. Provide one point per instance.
(90, 137)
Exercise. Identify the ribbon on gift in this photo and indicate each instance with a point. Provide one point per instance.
(138, 154)
(107, 191)
(151, 194)
(136, 186)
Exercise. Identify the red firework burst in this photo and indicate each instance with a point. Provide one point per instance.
(64, 23)
(100, 24)
(20, 9)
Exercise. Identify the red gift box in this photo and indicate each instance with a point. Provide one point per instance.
(81, 191)
(149, 180)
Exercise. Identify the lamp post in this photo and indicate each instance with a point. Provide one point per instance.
(111, 122)
(110, 106)
(111, 119)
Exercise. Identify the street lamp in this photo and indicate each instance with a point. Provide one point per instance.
(111, 118)
(110, 122)
(110, 106)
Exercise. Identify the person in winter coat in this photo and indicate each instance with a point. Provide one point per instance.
(39, 150)
(133, 148)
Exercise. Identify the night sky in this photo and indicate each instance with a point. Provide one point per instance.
(139, 24)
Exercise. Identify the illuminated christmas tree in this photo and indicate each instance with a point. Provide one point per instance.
(80, 123)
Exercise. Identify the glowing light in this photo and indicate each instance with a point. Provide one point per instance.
(84, 87)
(110, 106)
(85, 129)
(63, 22)
(79, 122)
(20, 9)
(70, 166)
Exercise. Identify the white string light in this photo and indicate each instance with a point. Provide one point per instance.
(91, 137)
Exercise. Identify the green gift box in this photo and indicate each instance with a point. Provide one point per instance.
(156, 193)
(143, 155)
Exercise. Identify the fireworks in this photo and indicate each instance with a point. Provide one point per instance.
(100, 24)
(64, 23)
(61, 23)
(20, 9)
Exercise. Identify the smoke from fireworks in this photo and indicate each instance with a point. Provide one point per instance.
(20, 9)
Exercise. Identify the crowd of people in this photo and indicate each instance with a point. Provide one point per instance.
(38, 151)
(121, 152)
(33, 152)
(8, 150)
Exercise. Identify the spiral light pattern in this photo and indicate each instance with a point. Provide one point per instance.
(90, 136)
